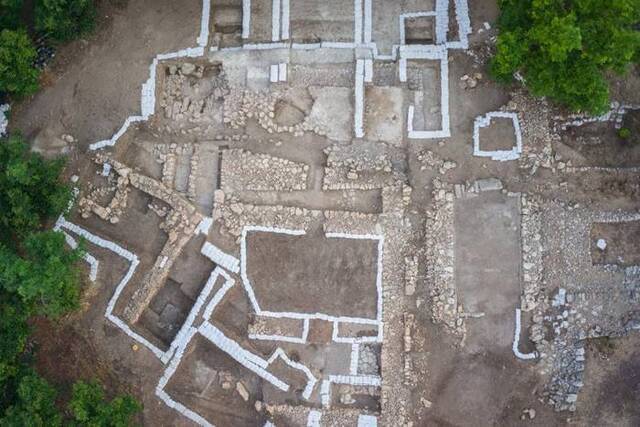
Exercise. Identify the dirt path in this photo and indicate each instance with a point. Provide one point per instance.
(94, 84)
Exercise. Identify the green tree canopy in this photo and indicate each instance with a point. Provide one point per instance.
(18, 77)
(34, 265)
(34, 405)
(10, 11)
(563, 48)
(13, 335)
(64, 20)
(46, 277)
(30, 189)
(90, 408)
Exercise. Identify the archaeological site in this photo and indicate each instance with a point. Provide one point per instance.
(327, 213)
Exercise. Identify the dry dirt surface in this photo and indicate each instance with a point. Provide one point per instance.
(294, 227)
(94, 83)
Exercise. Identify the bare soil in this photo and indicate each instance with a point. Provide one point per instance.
(499, 135)
(313, 274)
(94, 83)
(611, 395)
(599, 144)
(622, 243)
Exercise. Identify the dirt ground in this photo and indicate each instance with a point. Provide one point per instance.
(621, 240)
(488, 266)
(308, 274)
(93, 84)
(611, 395)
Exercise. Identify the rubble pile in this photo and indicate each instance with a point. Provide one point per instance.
(439, 250)
(241, 104)
(365, 166)
(193, 93)
(244, 170)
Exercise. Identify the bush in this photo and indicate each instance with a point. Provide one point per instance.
(89, 407)
(18, 77)
(564, 48)
(64, 20)
(624, 134)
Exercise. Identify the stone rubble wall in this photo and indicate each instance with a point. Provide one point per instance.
(167, 155)
(615, 115)
(244, 170)
(241, 105)
(234, 215)
(265, 326)
(531, 232)
(395, 397)
(439, 250)
(117, 205)
(355, 222)
(429, 160)
(363, 168)
(592, 301)
(191, 96)
(537, 138)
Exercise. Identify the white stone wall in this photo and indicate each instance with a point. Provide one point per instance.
(4, 122)
(499, 155)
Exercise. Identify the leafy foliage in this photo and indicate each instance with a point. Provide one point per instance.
(46, 278)
(18, 77)
(89, 407)
(64, 20)
(30, 188)
(13, 335)
(563, 48)
(36, 266)
(34, 405)
(10, 14)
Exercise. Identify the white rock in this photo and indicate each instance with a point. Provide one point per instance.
(242, 391)
(218, 197)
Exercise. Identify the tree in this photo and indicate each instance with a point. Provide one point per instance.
(34, 405)
(30, 188)
(563, 48)
(90, 408)
(10, 14)
(13, 335)
(64, 20)
(46, 277)
(18, 77)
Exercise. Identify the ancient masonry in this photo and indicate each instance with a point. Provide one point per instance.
(349, 190)
(345, 171)
(362, 40)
